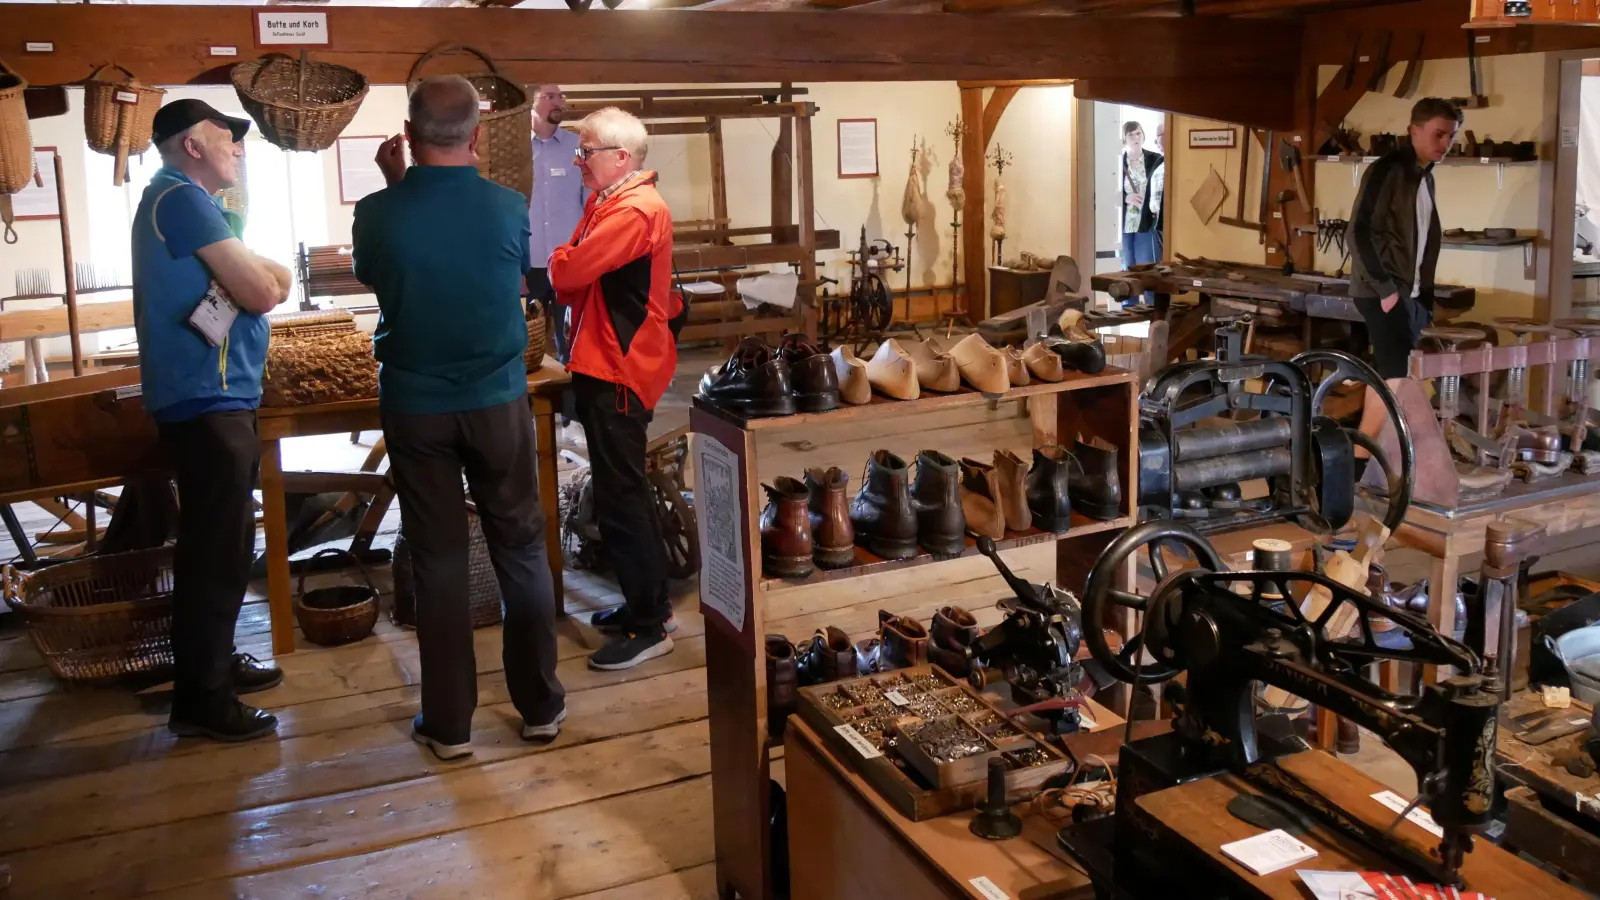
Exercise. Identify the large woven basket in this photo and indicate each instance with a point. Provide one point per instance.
(318, 357)
(16, 142)
(538, 331)
(483, 589)
(505, 149)
(299, 104)
(118, 116)
(99, 616)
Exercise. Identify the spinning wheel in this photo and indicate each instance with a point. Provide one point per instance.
(1343, 367)
(678, 530)
(872, 303)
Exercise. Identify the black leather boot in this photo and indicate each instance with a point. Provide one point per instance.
(941, 526)
(1095, 483)
(1078, 347)
(882, 514)
(1049, 498)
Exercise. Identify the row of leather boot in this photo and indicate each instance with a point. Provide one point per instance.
(759, 380)
(805, 525)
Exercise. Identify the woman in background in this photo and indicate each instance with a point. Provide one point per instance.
(1142, 183)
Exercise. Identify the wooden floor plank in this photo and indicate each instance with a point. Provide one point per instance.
(607, 844)
(361, 823)
(698, 883)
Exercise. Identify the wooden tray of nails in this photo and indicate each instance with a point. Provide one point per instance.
(924, 738)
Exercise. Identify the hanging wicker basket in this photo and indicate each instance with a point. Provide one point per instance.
(299, 104)
(118, 116)
(505, 149)
(16, 142)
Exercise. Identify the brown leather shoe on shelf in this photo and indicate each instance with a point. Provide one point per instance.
(1013, 473)
(905, 641)
(1016, 368)
(786, 530)
(980, 499)
(981, 365)
(954, 629)
(1044, 364)
(936, 369)
(833, 538)
(851, 371)
(893, 373)
(783, 683)
(812, 377)
(754, 381)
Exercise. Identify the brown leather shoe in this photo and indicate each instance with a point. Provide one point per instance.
(783, 683)
(941, 526)
(905, 641)
(786, 530)
(980, 499)
(1013, 474)
(954, 629)
(812, 378)
(833, 538)
(753, 382)
(828, 656)
(882, 513)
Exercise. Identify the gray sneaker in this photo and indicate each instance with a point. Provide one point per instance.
(440, 749)
(547, 732)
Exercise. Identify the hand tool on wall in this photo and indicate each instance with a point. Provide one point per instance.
(1237, 220)
(1266, 182)
(1350, 66)
(1289, 156)
(1282, 200)
(1413, 72)
(1477, 100)
(1375, 83)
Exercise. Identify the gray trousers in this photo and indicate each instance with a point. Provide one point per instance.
(495, 447)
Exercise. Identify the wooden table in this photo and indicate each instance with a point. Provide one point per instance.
(1194, 815)
(846, 841)
(1552, 815)
(277, 423)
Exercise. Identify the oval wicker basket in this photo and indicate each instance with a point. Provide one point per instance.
(505, 150)
(99, 616)
(299, 104)
(483, 589)
(16, 141)
(342, 614)
(538, 330)
(119, 116)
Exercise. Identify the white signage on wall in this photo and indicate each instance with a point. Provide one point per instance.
(718, 508)
(291, 27)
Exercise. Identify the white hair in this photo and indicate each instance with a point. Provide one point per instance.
(172, 148)
(614, 128)
(443, 111)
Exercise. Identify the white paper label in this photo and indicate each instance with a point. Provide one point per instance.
(1277, 215)
(1481, 38)
(485, 106)
(1197, 282)
(293, 27)
(897, 698)
(987, 888)
(1569, 135)
(558, 171)
(125, 97)
(1086, 721)
(854, 739)
(41, 47)
(131, 390)
(224, 51)
(720, 514)
(1484, 160)
(1333, 159)
(1418, 816)
(1296, 139)
(1365, 58)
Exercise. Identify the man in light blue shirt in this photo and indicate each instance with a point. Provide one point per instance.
(557, 202)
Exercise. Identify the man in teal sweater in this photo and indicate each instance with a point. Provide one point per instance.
(445, 250)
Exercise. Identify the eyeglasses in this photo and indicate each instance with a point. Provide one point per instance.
(583, 153)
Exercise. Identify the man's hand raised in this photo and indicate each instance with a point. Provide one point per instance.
(391, 159)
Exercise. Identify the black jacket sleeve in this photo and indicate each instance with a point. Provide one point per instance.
(1371, 205)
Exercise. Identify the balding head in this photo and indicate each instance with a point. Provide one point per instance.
(443, 113)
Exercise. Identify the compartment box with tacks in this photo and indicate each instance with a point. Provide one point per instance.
(924, 739)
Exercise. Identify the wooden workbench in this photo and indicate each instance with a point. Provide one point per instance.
(277, 423)
(1552, 815)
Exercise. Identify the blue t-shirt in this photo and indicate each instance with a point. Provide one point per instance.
(182, 374)
(445, 250)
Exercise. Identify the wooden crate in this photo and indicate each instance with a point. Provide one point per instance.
(856, 715)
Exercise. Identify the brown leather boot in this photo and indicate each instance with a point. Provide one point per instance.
(786, 530)
(1013, 474)
(833, 538)
(941, 526)
(905, 641)
(954, 629)
(980, 499)
(783, 683)
(828, 656)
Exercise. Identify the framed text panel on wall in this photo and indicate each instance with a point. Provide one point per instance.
(858, 148)
(38, 200)
(359, 174)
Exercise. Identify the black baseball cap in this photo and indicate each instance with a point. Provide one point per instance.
(181, 115)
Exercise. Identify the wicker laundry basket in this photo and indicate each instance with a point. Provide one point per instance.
(99, 616)
(299, 104)
(483, 589)
(16, 141)
(118, 116)
(505, 149)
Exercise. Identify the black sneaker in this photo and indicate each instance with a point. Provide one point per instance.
(442, 749)
(251, 674)
(616, 621)
(631, 649)
(229, 721)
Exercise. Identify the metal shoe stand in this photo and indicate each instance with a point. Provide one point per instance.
(737, 598)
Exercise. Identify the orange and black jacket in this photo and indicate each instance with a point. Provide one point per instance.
(616, 276)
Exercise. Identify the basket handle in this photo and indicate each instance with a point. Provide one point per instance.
(7, 70)
(341, 552)
(95, 75)
(446, 48)
(11, 582)
(305, 72)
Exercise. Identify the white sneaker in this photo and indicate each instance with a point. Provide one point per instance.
(545, 732)
(440, 748)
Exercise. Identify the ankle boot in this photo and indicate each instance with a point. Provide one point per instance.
(1078, 347)
(980, 500)
(869, 656)
(786, 530)
(1049, 497)
(828, 656)
(882, 514)
(832, 537)
(936, 494)
(1013, 474)
(905, 641)
(954, 629)
(1095, 483)
(783, 683)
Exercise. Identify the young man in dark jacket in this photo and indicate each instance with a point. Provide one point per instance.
(1394, 240)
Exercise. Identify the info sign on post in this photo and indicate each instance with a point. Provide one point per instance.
(290, 27)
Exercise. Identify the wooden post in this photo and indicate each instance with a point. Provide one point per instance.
(719, 179)
(783, 169)
(72, 279)
(973, 231)
(808, 227)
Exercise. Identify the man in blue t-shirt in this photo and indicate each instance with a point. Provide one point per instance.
(199, 296)
(444, 250)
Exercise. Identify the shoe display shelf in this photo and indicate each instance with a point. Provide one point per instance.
(735, 456)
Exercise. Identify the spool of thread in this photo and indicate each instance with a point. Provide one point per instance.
(1271, 555)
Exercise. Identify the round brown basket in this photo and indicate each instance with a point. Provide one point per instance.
(538, 328)
(505, 149)
(299, 104)
(16, 142)
(99, 616)
(118, 116)
(483, 590)
(337, 615)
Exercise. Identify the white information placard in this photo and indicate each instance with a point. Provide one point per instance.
(858, 148)
(718, 510)
(359, 174)
(291, 27)
(39, 201)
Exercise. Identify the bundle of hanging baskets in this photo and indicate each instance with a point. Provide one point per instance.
(299, 104)
(119, 115)
(505, 149)
(16, 142)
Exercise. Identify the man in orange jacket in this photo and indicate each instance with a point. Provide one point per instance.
(615, 276)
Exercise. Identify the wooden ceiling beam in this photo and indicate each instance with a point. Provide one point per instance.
(1262, 102)
(838, 4)
(982, 6)
(168, 45)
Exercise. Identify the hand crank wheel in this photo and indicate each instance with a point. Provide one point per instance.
(1347, 368)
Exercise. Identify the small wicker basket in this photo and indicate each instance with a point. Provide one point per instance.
(119, 116)
(505, 149)
(538, 329)
(342, 614)
(16, 141)
(100, 616)
(299, 104)
(483, 589)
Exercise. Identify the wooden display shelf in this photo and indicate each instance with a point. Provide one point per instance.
(1352, 158)
(1486, 243)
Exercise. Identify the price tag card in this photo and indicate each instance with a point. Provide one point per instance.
(987, 888)
(125, 97)
(897, 698)
(855, 740)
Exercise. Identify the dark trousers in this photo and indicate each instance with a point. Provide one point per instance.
(495, 447)
(217, 457)
(541, 291)
(614, 422)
